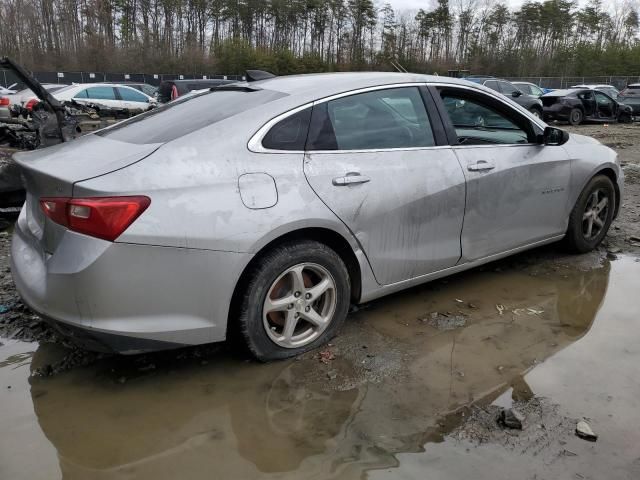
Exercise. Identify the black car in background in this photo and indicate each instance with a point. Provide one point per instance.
(530, 102)
(172, 89)
(630, 96)
(584, 105)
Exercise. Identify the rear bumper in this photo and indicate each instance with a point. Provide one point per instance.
(556, 112)
(126, 298)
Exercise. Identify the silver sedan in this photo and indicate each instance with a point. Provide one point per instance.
(266, 208)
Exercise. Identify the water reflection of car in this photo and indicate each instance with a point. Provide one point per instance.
(185, 420)
(508, 89)
(584, 105)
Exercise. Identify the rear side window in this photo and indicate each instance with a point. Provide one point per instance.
(381, 119)
(289, 133)
(101, 93)
(184, 116)
(131, 95)
(81, 94)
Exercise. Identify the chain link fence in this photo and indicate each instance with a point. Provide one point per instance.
(7, 77)
(618, 81)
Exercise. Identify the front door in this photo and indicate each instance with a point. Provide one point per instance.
(516, 188)
(373, 159)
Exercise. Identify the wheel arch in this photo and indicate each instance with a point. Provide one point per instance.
(609, 172)
(334, 240)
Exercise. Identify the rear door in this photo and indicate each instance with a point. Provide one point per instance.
(103, 95)
(378, 160)
(516, 188)
(132, 99)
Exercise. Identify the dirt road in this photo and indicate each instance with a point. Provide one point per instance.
(410, 389)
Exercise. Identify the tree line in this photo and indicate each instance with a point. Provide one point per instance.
(552, 37)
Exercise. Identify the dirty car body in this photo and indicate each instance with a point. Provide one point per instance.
(373, 182)
(584, 105)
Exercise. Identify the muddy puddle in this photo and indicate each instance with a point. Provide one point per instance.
(404, 392)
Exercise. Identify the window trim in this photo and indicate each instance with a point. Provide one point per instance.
(255, 141)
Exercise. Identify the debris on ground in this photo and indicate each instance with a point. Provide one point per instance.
(500, 309)
(444, 321)
(511, 418)
(584, 431)
(326, 356)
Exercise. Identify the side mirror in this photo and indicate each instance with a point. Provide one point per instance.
(516, 93)
(554, 136)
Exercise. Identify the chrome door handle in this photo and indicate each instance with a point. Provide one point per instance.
(481, 166)
(350, 178)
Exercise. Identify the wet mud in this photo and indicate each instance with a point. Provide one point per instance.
(411, 388)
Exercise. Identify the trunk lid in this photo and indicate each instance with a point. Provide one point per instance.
(53, 171)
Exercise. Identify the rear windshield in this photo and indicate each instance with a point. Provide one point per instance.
(181, 117)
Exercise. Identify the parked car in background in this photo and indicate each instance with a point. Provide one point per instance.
(630, 96)
(172, 89)
(280, 203)
(583, 104)
(529, 88)
(610, 90)
(508, 89)
(107, 94)
(8, 90)
(631, 90)
(24, 98)
(145, 88)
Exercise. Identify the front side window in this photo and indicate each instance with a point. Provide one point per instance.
(131, 95)
(380, 119)
(81, 94)
(480, 122)
(101, 93)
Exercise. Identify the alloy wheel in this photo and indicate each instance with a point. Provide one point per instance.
(595, 214)
(299, 305)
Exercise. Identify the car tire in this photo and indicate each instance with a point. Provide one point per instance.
(536, 112)
(625, 118)
(588, 223)
(289, 276)
(575, 116)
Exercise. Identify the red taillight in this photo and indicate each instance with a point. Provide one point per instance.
(4, 102)
(101, 217)
(31, 103)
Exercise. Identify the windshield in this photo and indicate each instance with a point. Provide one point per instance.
(184, 116)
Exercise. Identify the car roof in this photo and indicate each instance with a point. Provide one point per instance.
(320, 85)
(565, 92)
(592, 85)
